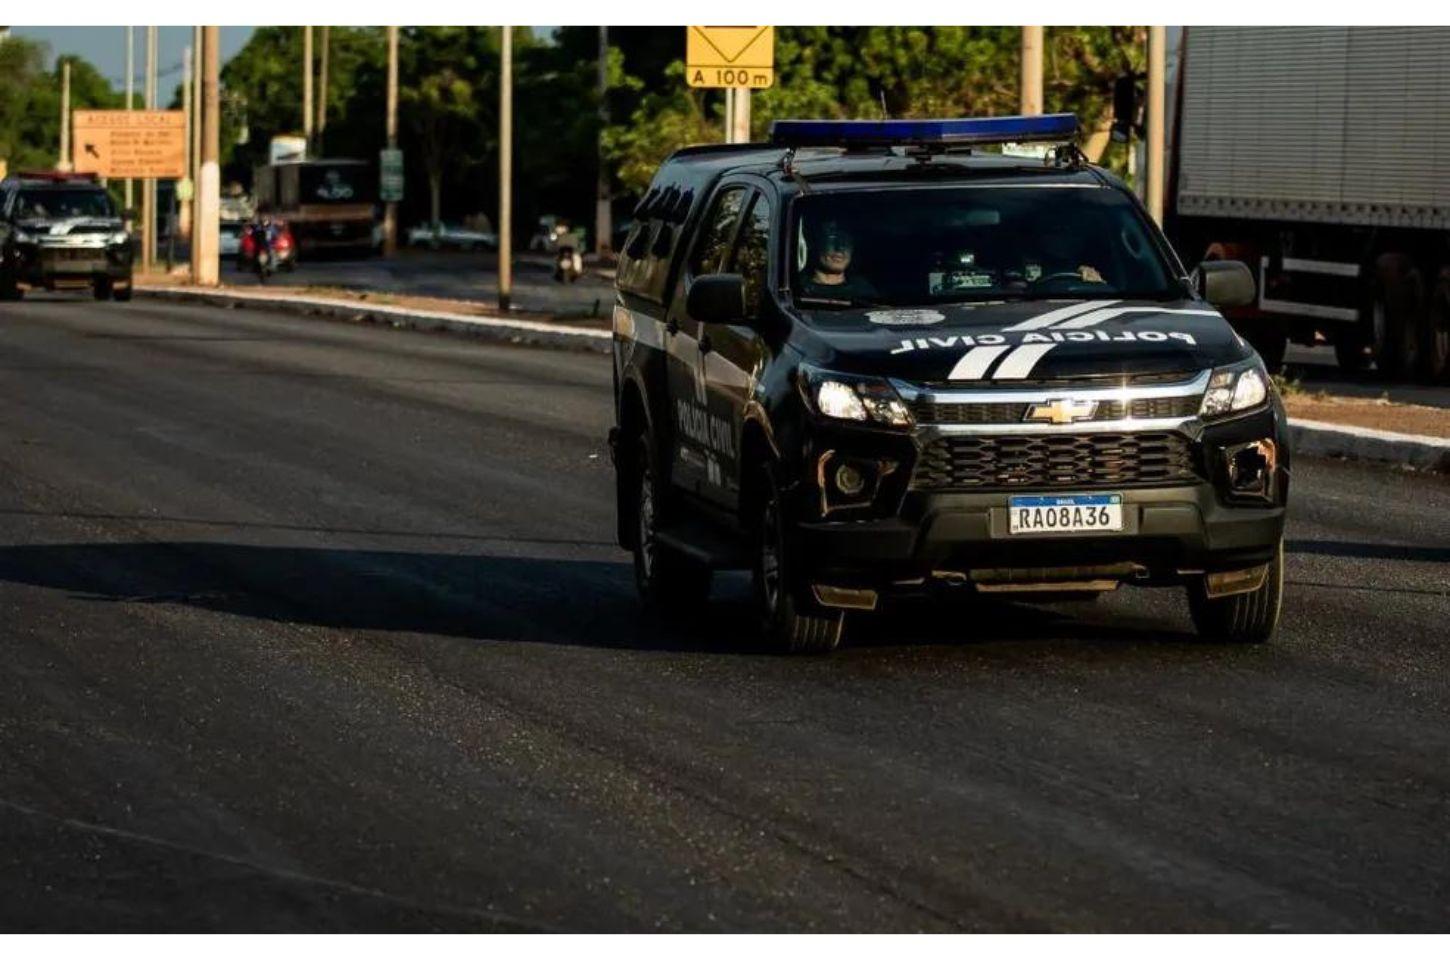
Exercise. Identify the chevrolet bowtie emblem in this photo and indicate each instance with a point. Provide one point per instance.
(1061, 411)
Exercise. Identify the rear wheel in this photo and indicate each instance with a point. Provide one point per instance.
(1242, 617)
(668, 581)
(790, 616)
(1352, 349)
(1435, 339)
(1396, 316)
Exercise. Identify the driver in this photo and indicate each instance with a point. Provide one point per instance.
(1061, 254)
(830, 276)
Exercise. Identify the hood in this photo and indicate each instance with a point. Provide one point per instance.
(70, 226)
(1022, 341)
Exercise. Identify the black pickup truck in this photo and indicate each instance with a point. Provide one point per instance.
(872, 359)
(62, 230)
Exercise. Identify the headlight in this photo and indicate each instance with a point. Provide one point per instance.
(1234, 389)
(845, 397)
(22, 237)
(117, 239)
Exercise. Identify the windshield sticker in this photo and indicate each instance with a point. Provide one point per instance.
(957, 341)
(905, 318)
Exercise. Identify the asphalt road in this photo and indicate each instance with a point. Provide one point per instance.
(312, 626)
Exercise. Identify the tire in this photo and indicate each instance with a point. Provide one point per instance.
(790, 618)
(102, 289)
(1352, 349)
(668, 582)
(1243, 617)
(1271, 348)
(1396, 316)
(10, 290)
(1435, 333)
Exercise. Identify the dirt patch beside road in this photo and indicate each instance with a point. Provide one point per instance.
(1374, 414)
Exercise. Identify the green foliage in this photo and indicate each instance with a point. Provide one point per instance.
(30, 101)
(870, 72)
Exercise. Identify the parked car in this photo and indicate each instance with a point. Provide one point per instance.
(450, 235)
(231, 238)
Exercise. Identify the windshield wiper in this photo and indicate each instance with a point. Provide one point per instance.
(831, 302)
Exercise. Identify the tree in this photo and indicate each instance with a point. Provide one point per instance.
(30, 101)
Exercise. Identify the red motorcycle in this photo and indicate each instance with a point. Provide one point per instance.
(273, 238)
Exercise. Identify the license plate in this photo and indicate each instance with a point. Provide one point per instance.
(1066, 513)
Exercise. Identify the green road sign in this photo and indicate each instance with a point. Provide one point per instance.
(390, 170)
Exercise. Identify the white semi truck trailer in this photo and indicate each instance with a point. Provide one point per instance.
(1320, 156)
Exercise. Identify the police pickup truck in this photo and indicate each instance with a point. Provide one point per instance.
(62, 230)
(873, 359)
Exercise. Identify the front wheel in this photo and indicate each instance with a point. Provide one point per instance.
(790, 617)
(10, 288)
(1242, 617)
(102, 289)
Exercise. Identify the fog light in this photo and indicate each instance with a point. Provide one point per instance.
(849, 480)
(1251, 468)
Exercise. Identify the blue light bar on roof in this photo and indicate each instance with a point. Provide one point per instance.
(889, 133)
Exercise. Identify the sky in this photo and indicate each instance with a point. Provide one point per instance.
(106, 48)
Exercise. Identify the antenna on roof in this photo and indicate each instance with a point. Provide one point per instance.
(885, 115)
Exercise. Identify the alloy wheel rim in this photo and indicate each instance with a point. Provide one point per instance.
(770, 558)
(646, 523)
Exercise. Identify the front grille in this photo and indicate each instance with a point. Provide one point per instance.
(72, 254)
(1083, 461)
(1154, 408)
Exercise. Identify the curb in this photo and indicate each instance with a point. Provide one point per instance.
(502, 329)
(1315, 438)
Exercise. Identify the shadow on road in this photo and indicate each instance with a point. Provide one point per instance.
(479, 597)
(1369, 551)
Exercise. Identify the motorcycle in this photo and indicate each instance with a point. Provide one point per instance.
(259, 242)
(568, 261)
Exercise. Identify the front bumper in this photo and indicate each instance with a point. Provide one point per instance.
(1170, 530)
(41, 265)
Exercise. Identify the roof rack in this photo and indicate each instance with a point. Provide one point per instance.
(924, 134)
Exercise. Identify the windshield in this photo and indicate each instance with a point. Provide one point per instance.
(55, 204)
(911, 246)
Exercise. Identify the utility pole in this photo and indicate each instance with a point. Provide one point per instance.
(505, 168)
(390, 210)
(1157, 40)
(184, 208)
(130, 96)
(148, 185)
(1031, 88)
(62, 162)
(307, 87)
(207, 241)
(738, 105)
(322, 90)
(603, 220)
(194, 170)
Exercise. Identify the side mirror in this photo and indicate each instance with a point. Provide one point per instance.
(718, 298)
(1225, 283)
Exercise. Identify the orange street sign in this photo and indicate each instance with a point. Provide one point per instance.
(129, 143)
(740, 57)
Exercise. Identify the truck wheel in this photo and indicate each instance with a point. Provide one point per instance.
(1352, 349)
(1396, 316)
(1243, 617)
(1271, 348)
(668, 582)
(790, 617)
(1435, 341)
(9, 287)
(102, 289)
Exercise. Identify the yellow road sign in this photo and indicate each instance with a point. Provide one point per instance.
(129, 143)
(739, 57)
